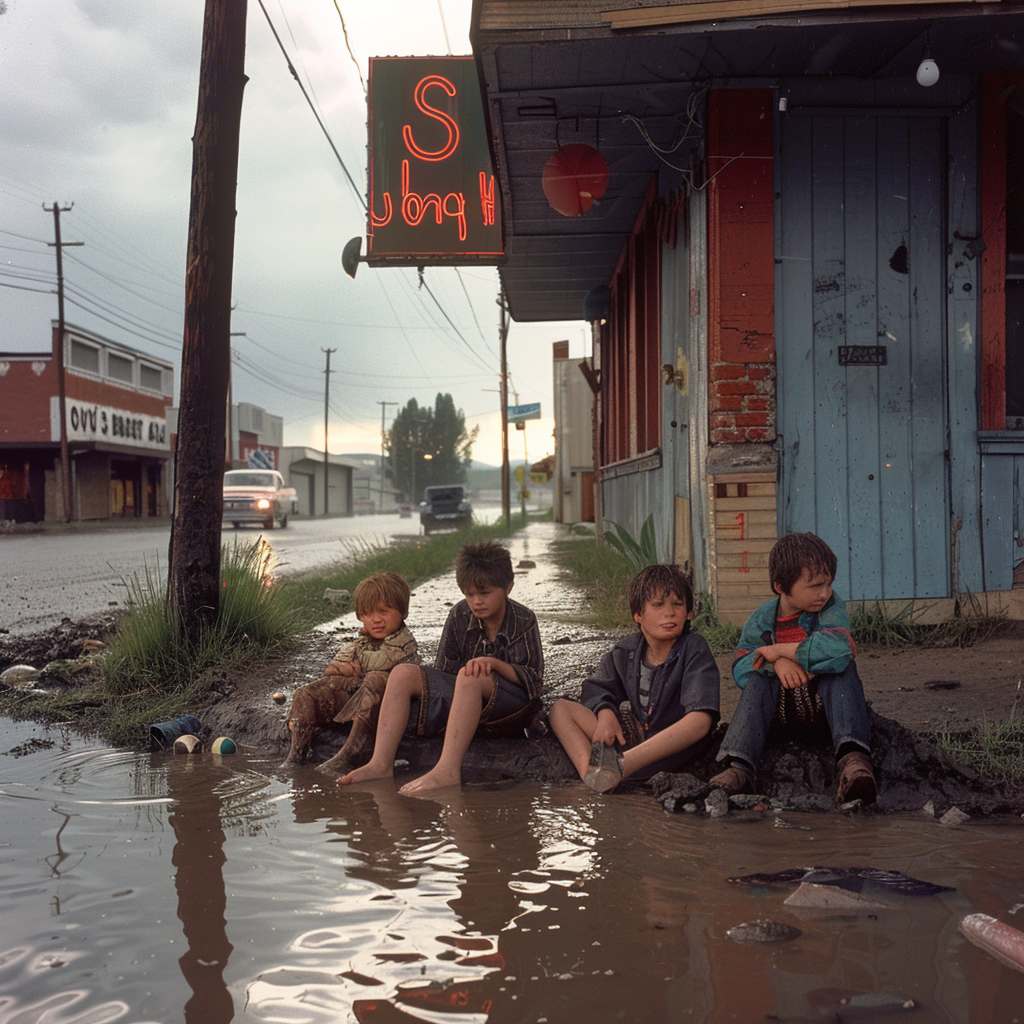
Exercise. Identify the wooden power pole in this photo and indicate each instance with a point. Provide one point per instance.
(65, 460)
(206, 348)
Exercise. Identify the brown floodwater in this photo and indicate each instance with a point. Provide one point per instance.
(149, 887)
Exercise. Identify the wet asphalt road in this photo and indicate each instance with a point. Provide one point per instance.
(80, 572)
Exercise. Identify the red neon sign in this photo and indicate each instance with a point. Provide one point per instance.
(432, 192)
(421, 105)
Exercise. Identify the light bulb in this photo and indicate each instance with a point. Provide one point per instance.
(927, 72)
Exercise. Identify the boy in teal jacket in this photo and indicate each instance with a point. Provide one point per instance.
(796, 658)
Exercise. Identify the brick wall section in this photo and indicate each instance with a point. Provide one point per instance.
(25, 402)
(101, 392)
(741, 302)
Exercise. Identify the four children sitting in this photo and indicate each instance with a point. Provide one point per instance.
(650, 706)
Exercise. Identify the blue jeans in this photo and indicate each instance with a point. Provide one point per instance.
(841, 693)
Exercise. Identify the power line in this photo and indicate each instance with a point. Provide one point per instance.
(298, 82)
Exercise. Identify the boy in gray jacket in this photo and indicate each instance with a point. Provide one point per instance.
(655, 693)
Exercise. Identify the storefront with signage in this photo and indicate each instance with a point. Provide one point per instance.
(114, 430)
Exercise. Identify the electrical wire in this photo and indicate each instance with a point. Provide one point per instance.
(25, 288)
(323, 128)
(145, 337)
(348, 46)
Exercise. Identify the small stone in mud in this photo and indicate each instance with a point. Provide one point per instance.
(763, 931)
(716, 804)
(747, 801)
(954, 816)
(561, 640)
(279, 697)
(942, 684)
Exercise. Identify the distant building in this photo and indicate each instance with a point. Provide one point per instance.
(371, 494)
(116, 419)
(303, 469)
(573, 478)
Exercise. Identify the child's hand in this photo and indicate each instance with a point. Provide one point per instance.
(608, 729)
(477, 667)
(791, 675)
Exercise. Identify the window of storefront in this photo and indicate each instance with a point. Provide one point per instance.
(631, 346)
(150, 377)
(85, 357)
(119, 368)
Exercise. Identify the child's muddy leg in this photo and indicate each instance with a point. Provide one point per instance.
(363, 711)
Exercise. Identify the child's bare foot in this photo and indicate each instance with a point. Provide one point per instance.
(366, 774)
(434, 779)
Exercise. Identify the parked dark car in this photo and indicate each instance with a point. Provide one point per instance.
(445, 506)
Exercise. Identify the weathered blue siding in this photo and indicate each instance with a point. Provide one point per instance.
(879, 460)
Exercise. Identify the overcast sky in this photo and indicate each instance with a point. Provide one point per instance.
(99, 108)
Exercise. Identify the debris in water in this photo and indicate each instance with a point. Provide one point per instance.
(18, 675)
(864, 1003)
(852, 879)
(188, 744)
(763, 931)
(828, 897)
(999, 940)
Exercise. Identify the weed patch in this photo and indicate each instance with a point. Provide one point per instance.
(603, 572)
(874, 625)
(995, 751)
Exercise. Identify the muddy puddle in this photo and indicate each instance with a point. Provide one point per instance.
(138, 887)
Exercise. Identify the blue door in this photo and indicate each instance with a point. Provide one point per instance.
(860, 326)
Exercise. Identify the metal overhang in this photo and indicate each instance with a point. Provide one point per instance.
(626, 92)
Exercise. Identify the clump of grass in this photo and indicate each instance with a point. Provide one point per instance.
(638, 552)
(995, 751)
(149, 651)
(721, 636)
(603, 574)
(150, 673)
(874, 625)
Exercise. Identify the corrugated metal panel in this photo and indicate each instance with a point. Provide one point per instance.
(861, 242)
(628, 500)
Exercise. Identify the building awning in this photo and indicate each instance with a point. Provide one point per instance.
(558, 74)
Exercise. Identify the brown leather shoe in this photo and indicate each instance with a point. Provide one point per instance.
(735, 779)
(856, 779)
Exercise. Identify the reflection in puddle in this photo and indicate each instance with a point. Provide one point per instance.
(149, 888)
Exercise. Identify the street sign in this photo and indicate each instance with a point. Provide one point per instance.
(519, 413)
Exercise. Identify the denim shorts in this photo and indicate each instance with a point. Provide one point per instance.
(428, 715)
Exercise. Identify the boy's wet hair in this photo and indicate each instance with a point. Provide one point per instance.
(653, 581)
(795, 552)
(389, 589)
(483, 566)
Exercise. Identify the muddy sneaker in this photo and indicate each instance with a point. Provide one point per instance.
(856, 779)
(735, 779)
(605, 771)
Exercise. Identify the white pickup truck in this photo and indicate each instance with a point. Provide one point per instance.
(257, 497)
